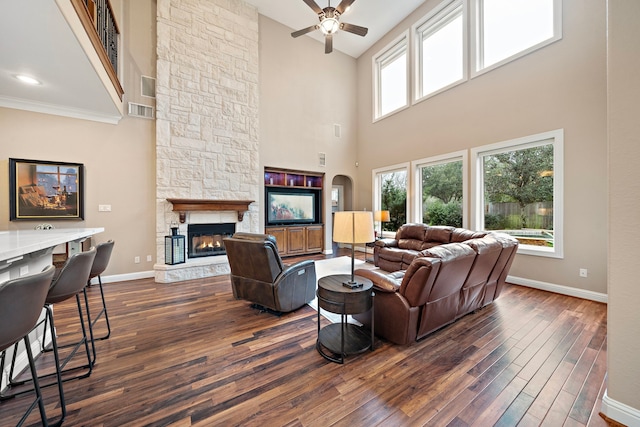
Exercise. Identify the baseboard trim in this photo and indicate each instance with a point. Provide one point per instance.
(620, 412)
(536, 284)
(559, 289)
(124, 277)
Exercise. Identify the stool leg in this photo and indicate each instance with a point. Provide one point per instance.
(90, 361)
(104, 310)
(39, 402)
(56, 357)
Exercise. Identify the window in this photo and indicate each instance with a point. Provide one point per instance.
(57, 179)
(390, 194)
(440, 49)
(519, 191)
(507, 29)
(441, 185)
(390, 78)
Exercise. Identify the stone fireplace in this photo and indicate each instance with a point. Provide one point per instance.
(207, 239)
(196, 214)
(206, 125)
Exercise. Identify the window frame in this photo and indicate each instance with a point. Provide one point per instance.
(556, 138)
(376, 185)
(434, 20)
(416, 166)
(476, 36)
(394, 49)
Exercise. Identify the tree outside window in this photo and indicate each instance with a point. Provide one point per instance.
(442, 194)
(518, 192)
(394, 199)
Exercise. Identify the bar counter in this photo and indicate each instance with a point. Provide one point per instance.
(25, 251)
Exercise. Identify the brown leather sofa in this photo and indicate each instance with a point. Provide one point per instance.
(397, 253)
(440, 284)
(259, 276)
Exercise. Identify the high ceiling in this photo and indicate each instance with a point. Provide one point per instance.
(38, 41)
(379, 16)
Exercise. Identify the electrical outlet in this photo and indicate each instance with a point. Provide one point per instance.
(137, 260)
(583, 272)
(149, 259)
(24, 270)
(104, 208)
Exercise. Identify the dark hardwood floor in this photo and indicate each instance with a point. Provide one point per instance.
(188, 354)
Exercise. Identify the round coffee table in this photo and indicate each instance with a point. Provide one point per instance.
(344, 338)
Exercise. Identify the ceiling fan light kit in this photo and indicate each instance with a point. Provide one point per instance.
(330, 23)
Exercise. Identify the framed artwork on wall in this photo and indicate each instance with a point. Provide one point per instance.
(40, 189)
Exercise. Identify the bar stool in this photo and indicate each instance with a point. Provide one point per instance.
(71, 281)
(21, 302)
(100, 263)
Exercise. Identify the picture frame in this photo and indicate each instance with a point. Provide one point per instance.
(45, 190)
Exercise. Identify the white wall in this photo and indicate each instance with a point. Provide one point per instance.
(303, 94)
(623, 389)
(119, 159)
(562, 86)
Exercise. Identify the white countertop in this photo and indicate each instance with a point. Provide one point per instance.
(15, 244)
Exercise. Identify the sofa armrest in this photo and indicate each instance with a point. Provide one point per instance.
(381, 282)
(389, 243)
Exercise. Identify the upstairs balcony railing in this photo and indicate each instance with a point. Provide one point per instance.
(99, 22)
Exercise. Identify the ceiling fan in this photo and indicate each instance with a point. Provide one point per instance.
(330, 22)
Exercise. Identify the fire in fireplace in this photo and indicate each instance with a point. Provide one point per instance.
(206, 239)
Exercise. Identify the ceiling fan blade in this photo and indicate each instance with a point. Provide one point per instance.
(344, 5)
(328, 43)
(304, 31)
(355, 29)
(313, 5)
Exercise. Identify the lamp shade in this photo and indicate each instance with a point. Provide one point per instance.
(381, 216)
(353, 227)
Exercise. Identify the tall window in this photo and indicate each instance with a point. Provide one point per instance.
(520, 191)
(440, 49)
(391, 195)
(512, 28)
(441, 190)
(390, 78)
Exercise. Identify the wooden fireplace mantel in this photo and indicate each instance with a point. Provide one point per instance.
(184, 205)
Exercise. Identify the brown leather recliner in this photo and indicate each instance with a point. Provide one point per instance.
(259, 276)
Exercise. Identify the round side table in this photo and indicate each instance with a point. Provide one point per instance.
(343, 339)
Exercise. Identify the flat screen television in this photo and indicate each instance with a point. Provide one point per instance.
(291, 206)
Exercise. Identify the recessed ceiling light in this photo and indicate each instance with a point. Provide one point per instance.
(27, 79)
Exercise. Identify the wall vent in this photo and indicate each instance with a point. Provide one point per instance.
(139, 110)
(148, 86)
(322, 159)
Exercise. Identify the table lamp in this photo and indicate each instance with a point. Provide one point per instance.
(353, 227)
(381, 216)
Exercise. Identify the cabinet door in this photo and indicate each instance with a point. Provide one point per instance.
(295, 240)
(314, 238)
(280, 234)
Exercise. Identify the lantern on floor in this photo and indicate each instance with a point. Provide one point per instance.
(174, 249)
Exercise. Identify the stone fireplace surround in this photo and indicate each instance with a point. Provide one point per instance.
(207, 121)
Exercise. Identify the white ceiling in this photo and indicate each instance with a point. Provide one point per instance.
(379, 16)
(38, 41)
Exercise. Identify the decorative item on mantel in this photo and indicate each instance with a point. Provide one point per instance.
(174, 246)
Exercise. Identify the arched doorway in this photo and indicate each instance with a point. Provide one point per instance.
(341, 200)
